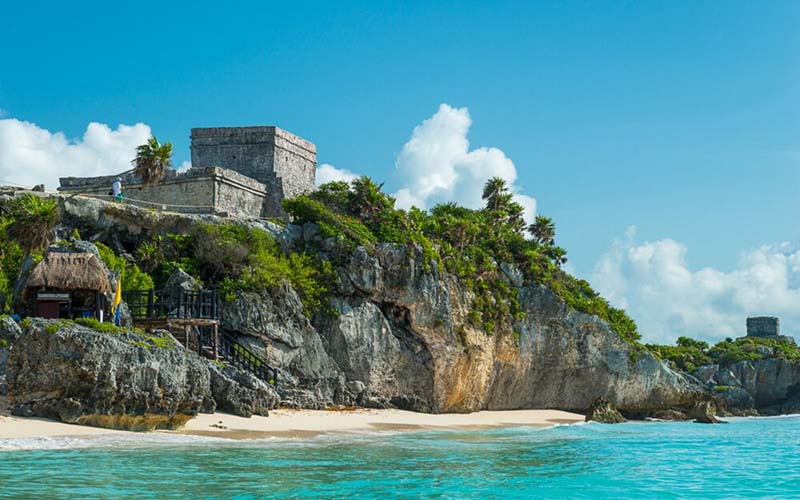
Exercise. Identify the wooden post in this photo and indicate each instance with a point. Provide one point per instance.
(216, 341)
(186, 335)
(150, 299)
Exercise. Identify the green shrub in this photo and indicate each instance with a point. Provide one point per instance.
(95, 325)
(133, 278)
(467, 243)
(241, 258)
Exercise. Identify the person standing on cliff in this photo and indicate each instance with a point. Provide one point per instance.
(116, 189)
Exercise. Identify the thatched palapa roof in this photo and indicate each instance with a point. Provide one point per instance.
(70, 271)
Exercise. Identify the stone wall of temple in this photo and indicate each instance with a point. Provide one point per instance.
(198, 190)
(283, 162)
(763, 326)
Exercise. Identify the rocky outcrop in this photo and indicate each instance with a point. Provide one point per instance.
(241, 393)
(400, 336)
(65, 371)
(9, 333)
(766, 385)
(399, 332)
(61, 370)
(704, 412)
(604, 412)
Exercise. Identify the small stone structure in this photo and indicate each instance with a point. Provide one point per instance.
(236, 171)
(763, 326)
(766, 327)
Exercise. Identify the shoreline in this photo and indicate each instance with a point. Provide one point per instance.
(303, 424)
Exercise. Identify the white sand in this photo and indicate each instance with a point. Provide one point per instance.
(304, 423)
(21, 428)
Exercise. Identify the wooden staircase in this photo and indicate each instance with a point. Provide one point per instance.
(193, 317)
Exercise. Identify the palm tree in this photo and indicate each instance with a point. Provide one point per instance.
(33, 221)
(495, 193)
(366, 198)
(557, 254)
(152, 160)
(543, 230)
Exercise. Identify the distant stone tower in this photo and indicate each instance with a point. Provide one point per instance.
(763, 326)
(284, 163)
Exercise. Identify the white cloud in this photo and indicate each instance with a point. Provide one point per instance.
(436, 165)
(31, 155)
(668, 299)
(186, 165)
(329, 173)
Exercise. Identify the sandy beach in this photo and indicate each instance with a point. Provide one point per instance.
(305, 423)
(308, 423)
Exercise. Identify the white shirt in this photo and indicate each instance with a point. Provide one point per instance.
(116, 187)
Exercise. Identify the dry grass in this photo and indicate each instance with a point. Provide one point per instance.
(136, 423)
(341, 408)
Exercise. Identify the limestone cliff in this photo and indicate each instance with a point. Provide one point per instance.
(400, 336)
(61, 370)
(399, 332)
(767, 386)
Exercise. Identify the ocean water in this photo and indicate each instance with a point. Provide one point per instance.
(748, 458)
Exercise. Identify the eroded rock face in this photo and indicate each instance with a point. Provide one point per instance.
(766, 385)
(241, 393)
(704, 412)
(64, 371)
(274, 326)
(604, 412)
(400, 337)
(400, 334)
(9, 333)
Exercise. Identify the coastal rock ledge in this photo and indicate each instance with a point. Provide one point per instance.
(68, 372)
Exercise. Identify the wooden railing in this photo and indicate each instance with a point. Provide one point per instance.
(150, 305)
(241, 357)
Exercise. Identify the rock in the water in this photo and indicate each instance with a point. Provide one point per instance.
(604, 412)
(672, 415)
(65, 371)
(241, 393)
(704, 412)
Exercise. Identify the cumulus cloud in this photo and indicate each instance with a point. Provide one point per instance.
(31, 155)
(329, 173)
(653, 281)
(436, 165)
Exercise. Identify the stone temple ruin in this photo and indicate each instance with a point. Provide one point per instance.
(766, 327)
(236, 171)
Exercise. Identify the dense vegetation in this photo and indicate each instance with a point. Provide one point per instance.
(688, 354)
(26, 227)
(472, 244)
(133, 278)
(235, 257)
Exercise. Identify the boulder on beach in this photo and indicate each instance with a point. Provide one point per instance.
(604, 412)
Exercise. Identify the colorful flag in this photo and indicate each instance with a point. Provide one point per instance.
(115, 310)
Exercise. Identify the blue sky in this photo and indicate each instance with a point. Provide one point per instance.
(679, 118)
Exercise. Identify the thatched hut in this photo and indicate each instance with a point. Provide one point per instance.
(68, 285)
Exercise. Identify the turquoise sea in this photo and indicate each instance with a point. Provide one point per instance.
(748, 458)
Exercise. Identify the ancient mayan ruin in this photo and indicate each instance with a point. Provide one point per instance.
(236, 171)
